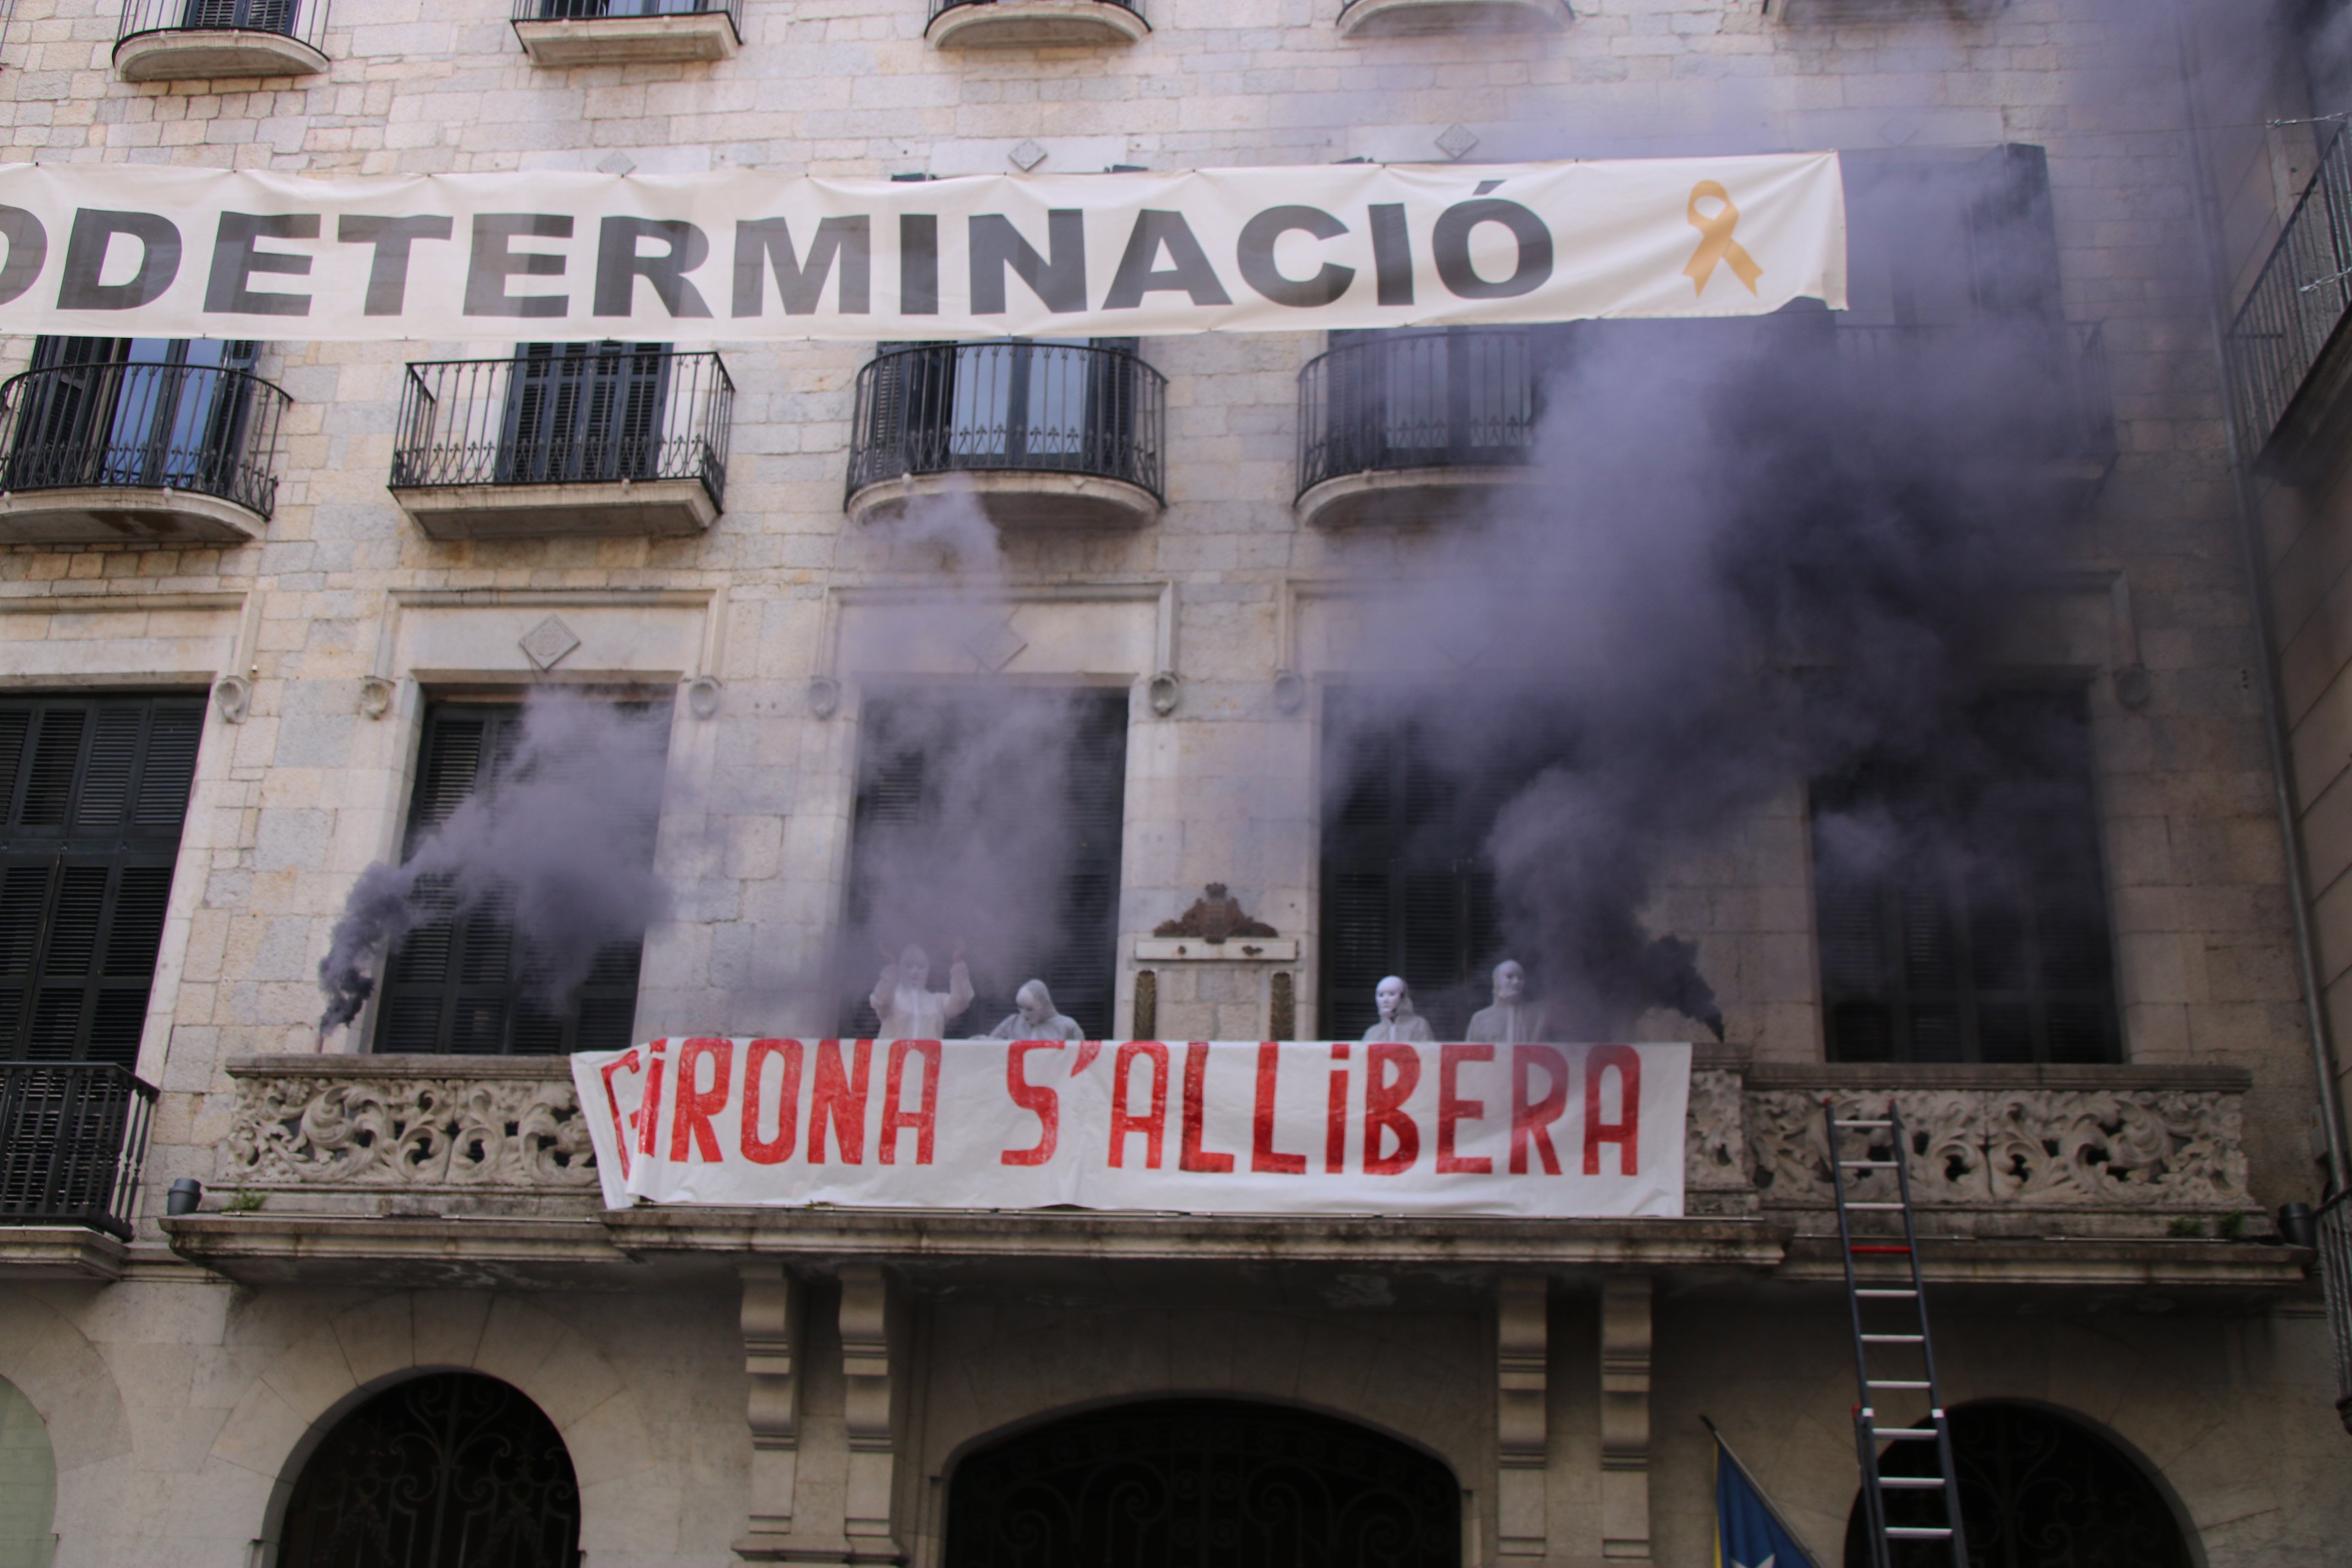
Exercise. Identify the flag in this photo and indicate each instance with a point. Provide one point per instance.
(1748, 1532)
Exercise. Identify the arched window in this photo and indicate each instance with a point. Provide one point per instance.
(2037, 1491)
(451, 1470)
(1184, 1481)
(28, 1483)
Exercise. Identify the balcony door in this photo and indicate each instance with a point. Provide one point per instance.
(252, 16)
(583, 413)
(1450, 396)
(1063, 404)
(145, 412)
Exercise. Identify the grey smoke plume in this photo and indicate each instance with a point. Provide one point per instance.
(561, 844)
(1754, 557)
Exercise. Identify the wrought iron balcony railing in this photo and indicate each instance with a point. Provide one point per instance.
(1463, 397)
(143, 426)
(566, 414)
(72, 1137)
(596, 10)
(302, 20)
(2298, 303)
(1014, 406)
(941, 7)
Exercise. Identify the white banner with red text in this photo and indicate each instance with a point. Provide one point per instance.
(746, 256)
(1197, 1127)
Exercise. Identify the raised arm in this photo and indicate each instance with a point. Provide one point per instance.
(886, 990)
(958, 990)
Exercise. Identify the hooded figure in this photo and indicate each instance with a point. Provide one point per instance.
(1398, 1021)
(908, 1011)
(1513, 1020)
(1035, 1018)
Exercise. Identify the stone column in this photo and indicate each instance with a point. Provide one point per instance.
(867, 1407)
(772, 1344)
(1522, 1354)
(1625, 1416)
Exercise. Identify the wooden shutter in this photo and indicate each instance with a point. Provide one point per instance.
(1407, 887)
(1977, 929)
(899, 766)
(2013, 234)
(96, 791)
(464, 984)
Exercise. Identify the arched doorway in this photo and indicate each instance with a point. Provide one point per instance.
(1202, 1483)
(2038, 1490)
(449, 1470)
(28, 1483)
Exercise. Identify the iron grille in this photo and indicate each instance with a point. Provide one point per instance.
(302, 19)
(1180, 1483)
(2292, 313)
(72, 1138)
(449, 1470)
(2336, 1283)
(1058, 409)
(2037, 1491)
(589, 10)
(205, 429)
(1457, 397)
(566, 414)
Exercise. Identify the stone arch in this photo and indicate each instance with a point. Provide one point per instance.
(1156, 1480)
(365, 1348)
(28, 1483)
(2040, 1484)
(68, 1386)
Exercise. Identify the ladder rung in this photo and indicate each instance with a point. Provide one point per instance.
(1861, 1206)
(1898, 1383)
(1912, 1483)
(1879, 1248)
(1880, 1123)
(1895, 1338)
(1904, 1435)
(1867, 1164)
(1917, 1533)
(1886, 1293)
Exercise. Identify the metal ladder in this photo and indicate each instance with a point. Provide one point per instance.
(1877, 1135)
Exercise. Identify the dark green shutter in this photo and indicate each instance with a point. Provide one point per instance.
(1407, 887)
(1978, 931)
(96, 791)
(899, 767)
(583, 411)
(464, 984)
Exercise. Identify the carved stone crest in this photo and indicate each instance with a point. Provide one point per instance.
(1214, 916)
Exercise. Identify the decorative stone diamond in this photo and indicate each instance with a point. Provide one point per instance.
(1456, 140)
(546, 644)
(1026, 156)
(996, 647)
(616, 163)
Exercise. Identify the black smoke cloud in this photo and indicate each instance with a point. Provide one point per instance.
(561, 844)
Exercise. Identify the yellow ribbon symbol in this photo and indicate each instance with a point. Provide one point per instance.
(1716, 245)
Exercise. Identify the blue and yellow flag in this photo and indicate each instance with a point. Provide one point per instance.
(1748, 1533)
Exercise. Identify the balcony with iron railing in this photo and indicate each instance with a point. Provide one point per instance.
(1408, 426)
(1039, 434)
(1017, 24)
(176, 40)
(72, 1138)
(627, 32)
(564, 439)
(2290, 357)
(1414, 19)
(138, 453)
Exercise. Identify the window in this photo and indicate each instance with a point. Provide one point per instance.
(1414, 398)
(141, 411)
(585, 412)
(97, 790)
(1407, 887)
(922, 759)
(254, 16)
(1959, 898)
(1939, 238)
(1064, 405)
(467, 982)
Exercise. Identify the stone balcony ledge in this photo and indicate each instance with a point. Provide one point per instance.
(395, 1166)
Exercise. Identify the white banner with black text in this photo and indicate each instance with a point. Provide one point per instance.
(1197, 1127)
(117, 251)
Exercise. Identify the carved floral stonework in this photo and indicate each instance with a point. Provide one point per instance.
(414, 1133)
(2179, 1150)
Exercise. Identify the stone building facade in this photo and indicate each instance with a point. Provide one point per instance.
(835, 1386)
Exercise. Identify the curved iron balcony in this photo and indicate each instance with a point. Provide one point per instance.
(110, 453)
(1402, 427)
(627, 32)
(565, 438)
(72, 1138)
(1406, 18)
(1041, 433)
(1014, 23)
(176, 40)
